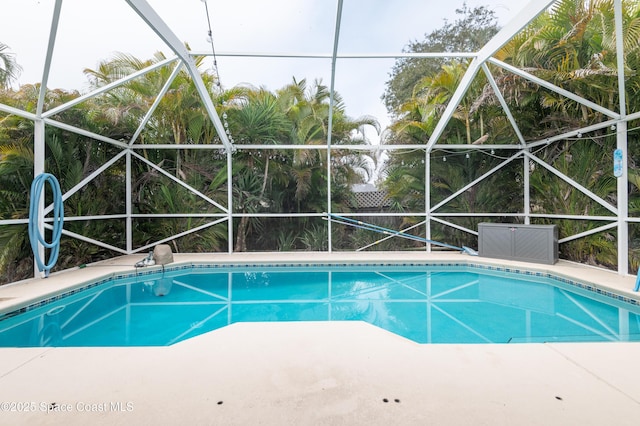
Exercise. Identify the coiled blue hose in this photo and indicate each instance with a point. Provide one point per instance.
(35, 236)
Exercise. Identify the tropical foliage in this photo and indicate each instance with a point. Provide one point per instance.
(472, 29)
(189, 185)
(9, 68)
(175, 191)
(571, 46)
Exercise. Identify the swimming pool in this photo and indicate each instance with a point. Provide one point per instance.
(424, 303)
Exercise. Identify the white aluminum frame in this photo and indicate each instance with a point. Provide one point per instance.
(479, 62)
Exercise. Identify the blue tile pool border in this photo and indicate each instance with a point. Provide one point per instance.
(191, 266)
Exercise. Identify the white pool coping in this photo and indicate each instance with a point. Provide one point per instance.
(319, 372)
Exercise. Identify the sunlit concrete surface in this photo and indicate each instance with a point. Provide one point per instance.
(311, 373)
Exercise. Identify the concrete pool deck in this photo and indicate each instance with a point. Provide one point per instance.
(328, 373)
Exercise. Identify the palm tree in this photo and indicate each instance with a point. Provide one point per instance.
(433, 93)
(16, 174)
(405, 173)
(257, 120)
(291, 181)
(9, 68)
(71, 158)
(308, 109)
(580, 160)
(573, 46)
(180, 118)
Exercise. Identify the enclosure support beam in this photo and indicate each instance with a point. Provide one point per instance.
(503, 103)
(526, 175)
(573, 183)
(47, 62)
(39, 151)
(475, 182)
(526, 15)
(617, 8)
(129, 204)
(336, 40)
(552, 87)
(230, 201)
(105, 88)
(427, 196)
(180, 182)
(623, 203)
(149, 15)
(38, 168)
(621, 144)
(156, 102)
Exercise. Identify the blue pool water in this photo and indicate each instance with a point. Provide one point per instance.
(427, 304)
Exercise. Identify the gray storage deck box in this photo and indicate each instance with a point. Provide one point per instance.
(527, 243)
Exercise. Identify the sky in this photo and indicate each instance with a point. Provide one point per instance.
(91, 31)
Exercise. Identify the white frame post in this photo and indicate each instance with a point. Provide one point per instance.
(621, 144)
(38, 168)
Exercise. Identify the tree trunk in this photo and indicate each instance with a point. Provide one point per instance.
(264, 181)
(241, 238)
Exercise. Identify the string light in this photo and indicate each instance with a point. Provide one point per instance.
(218, 83)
